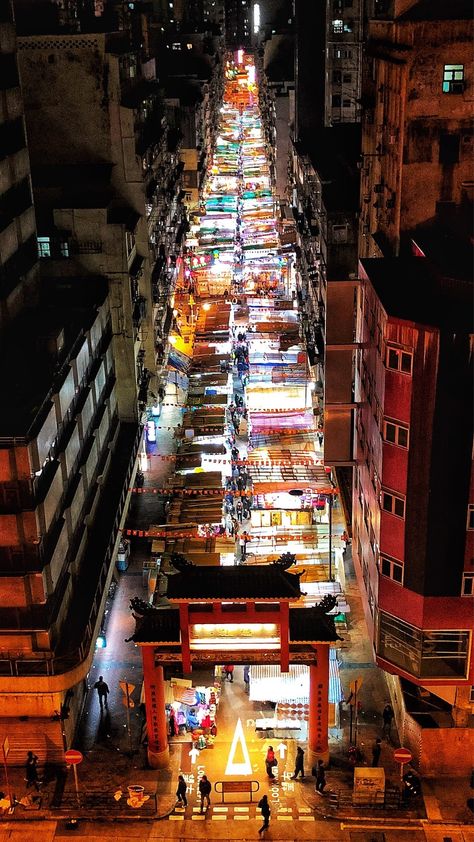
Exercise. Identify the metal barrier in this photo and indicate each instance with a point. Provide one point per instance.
(236, 786)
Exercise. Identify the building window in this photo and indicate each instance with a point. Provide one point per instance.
(470, 516)
(395, 434)
(336, 101)
(471, 695)
(347, 78)
(426, 654)
(339, 233)
(44, 246)
(453, 79)
(338, 26)
(467, 584)
(393, 503)
(346, 103)
(340, 53)
(336, 77)
(398, 360)
(392, 569)
(449, 148)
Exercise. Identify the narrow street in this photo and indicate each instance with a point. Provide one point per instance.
(233, 474)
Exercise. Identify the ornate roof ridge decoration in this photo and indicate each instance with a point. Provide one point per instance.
(160, 626)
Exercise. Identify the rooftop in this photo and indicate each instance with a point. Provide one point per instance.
(307, 625)
(334, 153)
(409, 288)
(437, 10)
(262, 581)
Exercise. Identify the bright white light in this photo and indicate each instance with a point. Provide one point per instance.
(256, 18)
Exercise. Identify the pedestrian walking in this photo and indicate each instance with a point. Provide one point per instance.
(299, 763)
(265, 811)
(387, 716)
(320, 776)
(173, 728)
(376, 752)
(270, 762)
(247, 677)
(102, 692)
(31, 770)
(181, 791)
(229, 672)
(205, 787)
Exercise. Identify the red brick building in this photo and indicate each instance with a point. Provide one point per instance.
(414, 498)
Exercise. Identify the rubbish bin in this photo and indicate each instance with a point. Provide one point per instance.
(135, 795)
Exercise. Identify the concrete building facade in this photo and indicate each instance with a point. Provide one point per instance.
(18, 256)
(417, 128)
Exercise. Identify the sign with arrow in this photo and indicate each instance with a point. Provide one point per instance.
(194, 754)
(282, 748)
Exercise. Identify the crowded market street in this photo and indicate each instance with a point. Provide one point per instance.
(233, 476)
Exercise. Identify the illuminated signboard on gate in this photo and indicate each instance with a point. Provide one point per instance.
(234, 635)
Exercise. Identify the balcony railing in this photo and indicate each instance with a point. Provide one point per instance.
(83, 623)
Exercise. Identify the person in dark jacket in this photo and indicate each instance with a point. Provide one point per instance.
(376, 752)
(102, 691)
(205, 787)
(320, 778)
(31, 771)
(181, 791)
(387, 716)
(265, 810)
(299, 763)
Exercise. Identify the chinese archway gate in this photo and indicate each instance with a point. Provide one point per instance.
(243, 615)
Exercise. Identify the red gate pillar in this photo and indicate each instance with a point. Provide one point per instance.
(318, 719)
(158, 749)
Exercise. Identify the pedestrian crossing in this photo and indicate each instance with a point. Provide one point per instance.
(241, 813)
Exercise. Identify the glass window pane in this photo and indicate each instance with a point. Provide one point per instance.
(399, 643)
(470, 521)
(390, 432)
(392, 359)
(399, 507)
(458, 74)
(385, 567)
(446, 87)
(402, 437)
(398, 573)
(387, 501)
(406, 363)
